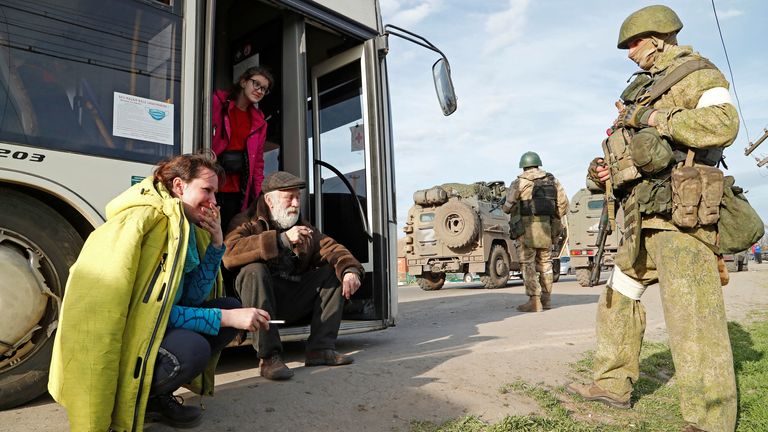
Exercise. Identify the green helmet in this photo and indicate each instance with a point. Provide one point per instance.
(651, 19)
(530, 159)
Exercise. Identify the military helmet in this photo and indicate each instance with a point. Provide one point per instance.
(650, 19)
(530, 159)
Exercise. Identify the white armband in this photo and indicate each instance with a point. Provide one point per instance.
(714, 96)
(624, 284)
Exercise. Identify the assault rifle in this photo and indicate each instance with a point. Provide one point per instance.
(606, 227)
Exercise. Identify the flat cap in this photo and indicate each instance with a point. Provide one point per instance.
(281, 180)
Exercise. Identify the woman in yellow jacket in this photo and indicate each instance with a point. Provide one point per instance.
(142, 313)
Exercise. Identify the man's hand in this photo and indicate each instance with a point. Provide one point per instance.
(598, 170)
(350, 284)
(636, 116)
(211, 222)
(248, 319)
(298, 235)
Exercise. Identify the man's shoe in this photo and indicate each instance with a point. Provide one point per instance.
(546, 301)
(327, 357)
(273, 368)
(533, 305)
(171, 410)
(594, 393)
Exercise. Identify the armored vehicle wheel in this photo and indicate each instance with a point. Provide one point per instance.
(431, 281)
(37, 247)
(456, 224)
(498, 268)
(582, 276)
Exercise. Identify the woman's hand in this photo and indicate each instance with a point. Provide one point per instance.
(211, 222)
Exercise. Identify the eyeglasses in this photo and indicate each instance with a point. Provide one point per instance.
(258, 87)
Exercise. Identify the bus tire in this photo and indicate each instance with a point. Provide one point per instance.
(429, 281)
(497, 274)
(26, 224)
(582, 276)
(456, 224)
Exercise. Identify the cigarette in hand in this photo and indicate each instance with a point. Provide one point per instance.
(276, 321)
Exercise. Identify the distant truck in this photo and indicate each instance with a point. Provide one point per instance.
(460, 228)
(584, 213)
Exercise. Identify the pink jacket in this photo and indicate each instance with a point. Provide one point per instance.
(254, 143)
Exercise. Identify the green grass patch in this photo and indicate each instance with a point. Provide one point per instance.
(655, 397)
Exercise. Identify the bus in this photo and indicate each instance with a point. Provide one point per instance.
(95, 92)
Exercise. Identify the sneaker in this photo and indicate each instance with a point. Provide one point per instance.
(327, 357)
(594, 393)
(273, 368)
(170, 409)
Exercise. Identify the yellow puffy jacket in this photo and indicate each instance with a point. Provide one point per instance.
(116, 307)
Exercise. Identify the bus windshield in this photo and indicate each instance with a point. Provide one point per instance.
(96, 77)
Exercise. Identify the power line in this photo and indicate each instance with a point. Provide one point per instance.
(730, 71)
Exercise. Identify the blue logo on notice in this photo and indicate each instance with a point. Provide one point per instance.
(156, 114)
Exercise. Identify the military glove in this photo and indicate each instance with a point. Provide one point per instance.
(592, 171)
(635, 116)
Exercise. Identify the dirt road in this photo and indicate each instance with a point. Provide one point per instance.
(448, 356)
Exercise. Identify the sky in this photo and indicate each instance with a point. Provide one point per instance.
(543, 76)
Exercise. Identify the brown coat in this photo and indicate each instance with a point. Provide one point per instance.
(255, 238)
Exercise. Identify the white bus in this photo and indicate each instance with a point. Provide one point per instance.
(94, 92)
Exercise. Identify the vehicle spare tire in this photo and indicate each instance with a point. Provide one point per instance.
(456, 224)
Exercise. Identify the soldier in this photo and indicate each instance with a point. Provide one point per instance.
(673, 126)
(537, 203)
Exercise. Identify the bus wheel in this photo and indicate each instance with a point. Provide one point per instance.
(429, 281)
(497, 268)
(37, 247)
(582, 276)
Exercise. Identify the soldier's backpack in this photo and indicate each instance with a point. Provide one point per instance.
(543, 200)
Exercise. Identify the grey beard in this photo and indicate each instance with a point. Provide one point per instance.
(283, 219)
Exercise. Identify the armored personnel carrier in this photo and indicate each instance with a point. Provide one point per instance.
(584, 213)
(460, 228)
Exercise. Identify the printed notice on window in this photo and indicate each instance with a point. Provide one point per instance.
(142, 119)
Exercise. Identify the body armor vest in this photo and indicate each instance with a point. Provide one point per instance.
(544, 198)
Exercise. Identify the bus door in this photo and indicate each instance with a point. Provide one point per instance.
(346, 204)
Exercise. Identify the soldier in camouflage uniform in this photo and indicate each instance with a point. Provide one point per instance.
(695, 114)
(539, 201)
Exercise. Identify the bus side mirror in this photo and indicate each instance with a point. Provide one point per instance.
(446, 95)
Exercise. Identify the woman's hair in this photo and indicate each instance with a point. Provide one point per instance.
(251, 71)
(187, 167)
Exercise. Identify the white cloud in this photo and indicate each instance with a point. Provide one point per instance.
(505, 27)
(407, 13)
(730, 13)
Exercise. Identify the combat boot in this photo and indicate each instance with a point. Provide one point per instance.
(546, 300)
(533, 305)
(593, 392)
(692, 428)
(170, 409)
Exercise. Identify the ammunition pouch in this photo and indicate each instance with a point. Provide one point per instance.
(619, 159)
(654, 196)
(650, 152)
(696, 195)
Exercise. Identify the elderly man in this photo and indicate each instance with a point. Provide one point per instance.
(290, 269)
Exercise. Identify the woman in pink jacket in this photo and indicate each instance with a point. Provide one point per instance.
(239, 131)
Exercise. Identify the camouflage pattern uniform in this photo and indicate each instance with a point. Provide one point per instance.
(683, 263)
(535, 260)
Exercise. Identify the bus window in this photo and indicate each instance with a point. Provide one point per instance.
(97, 77)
